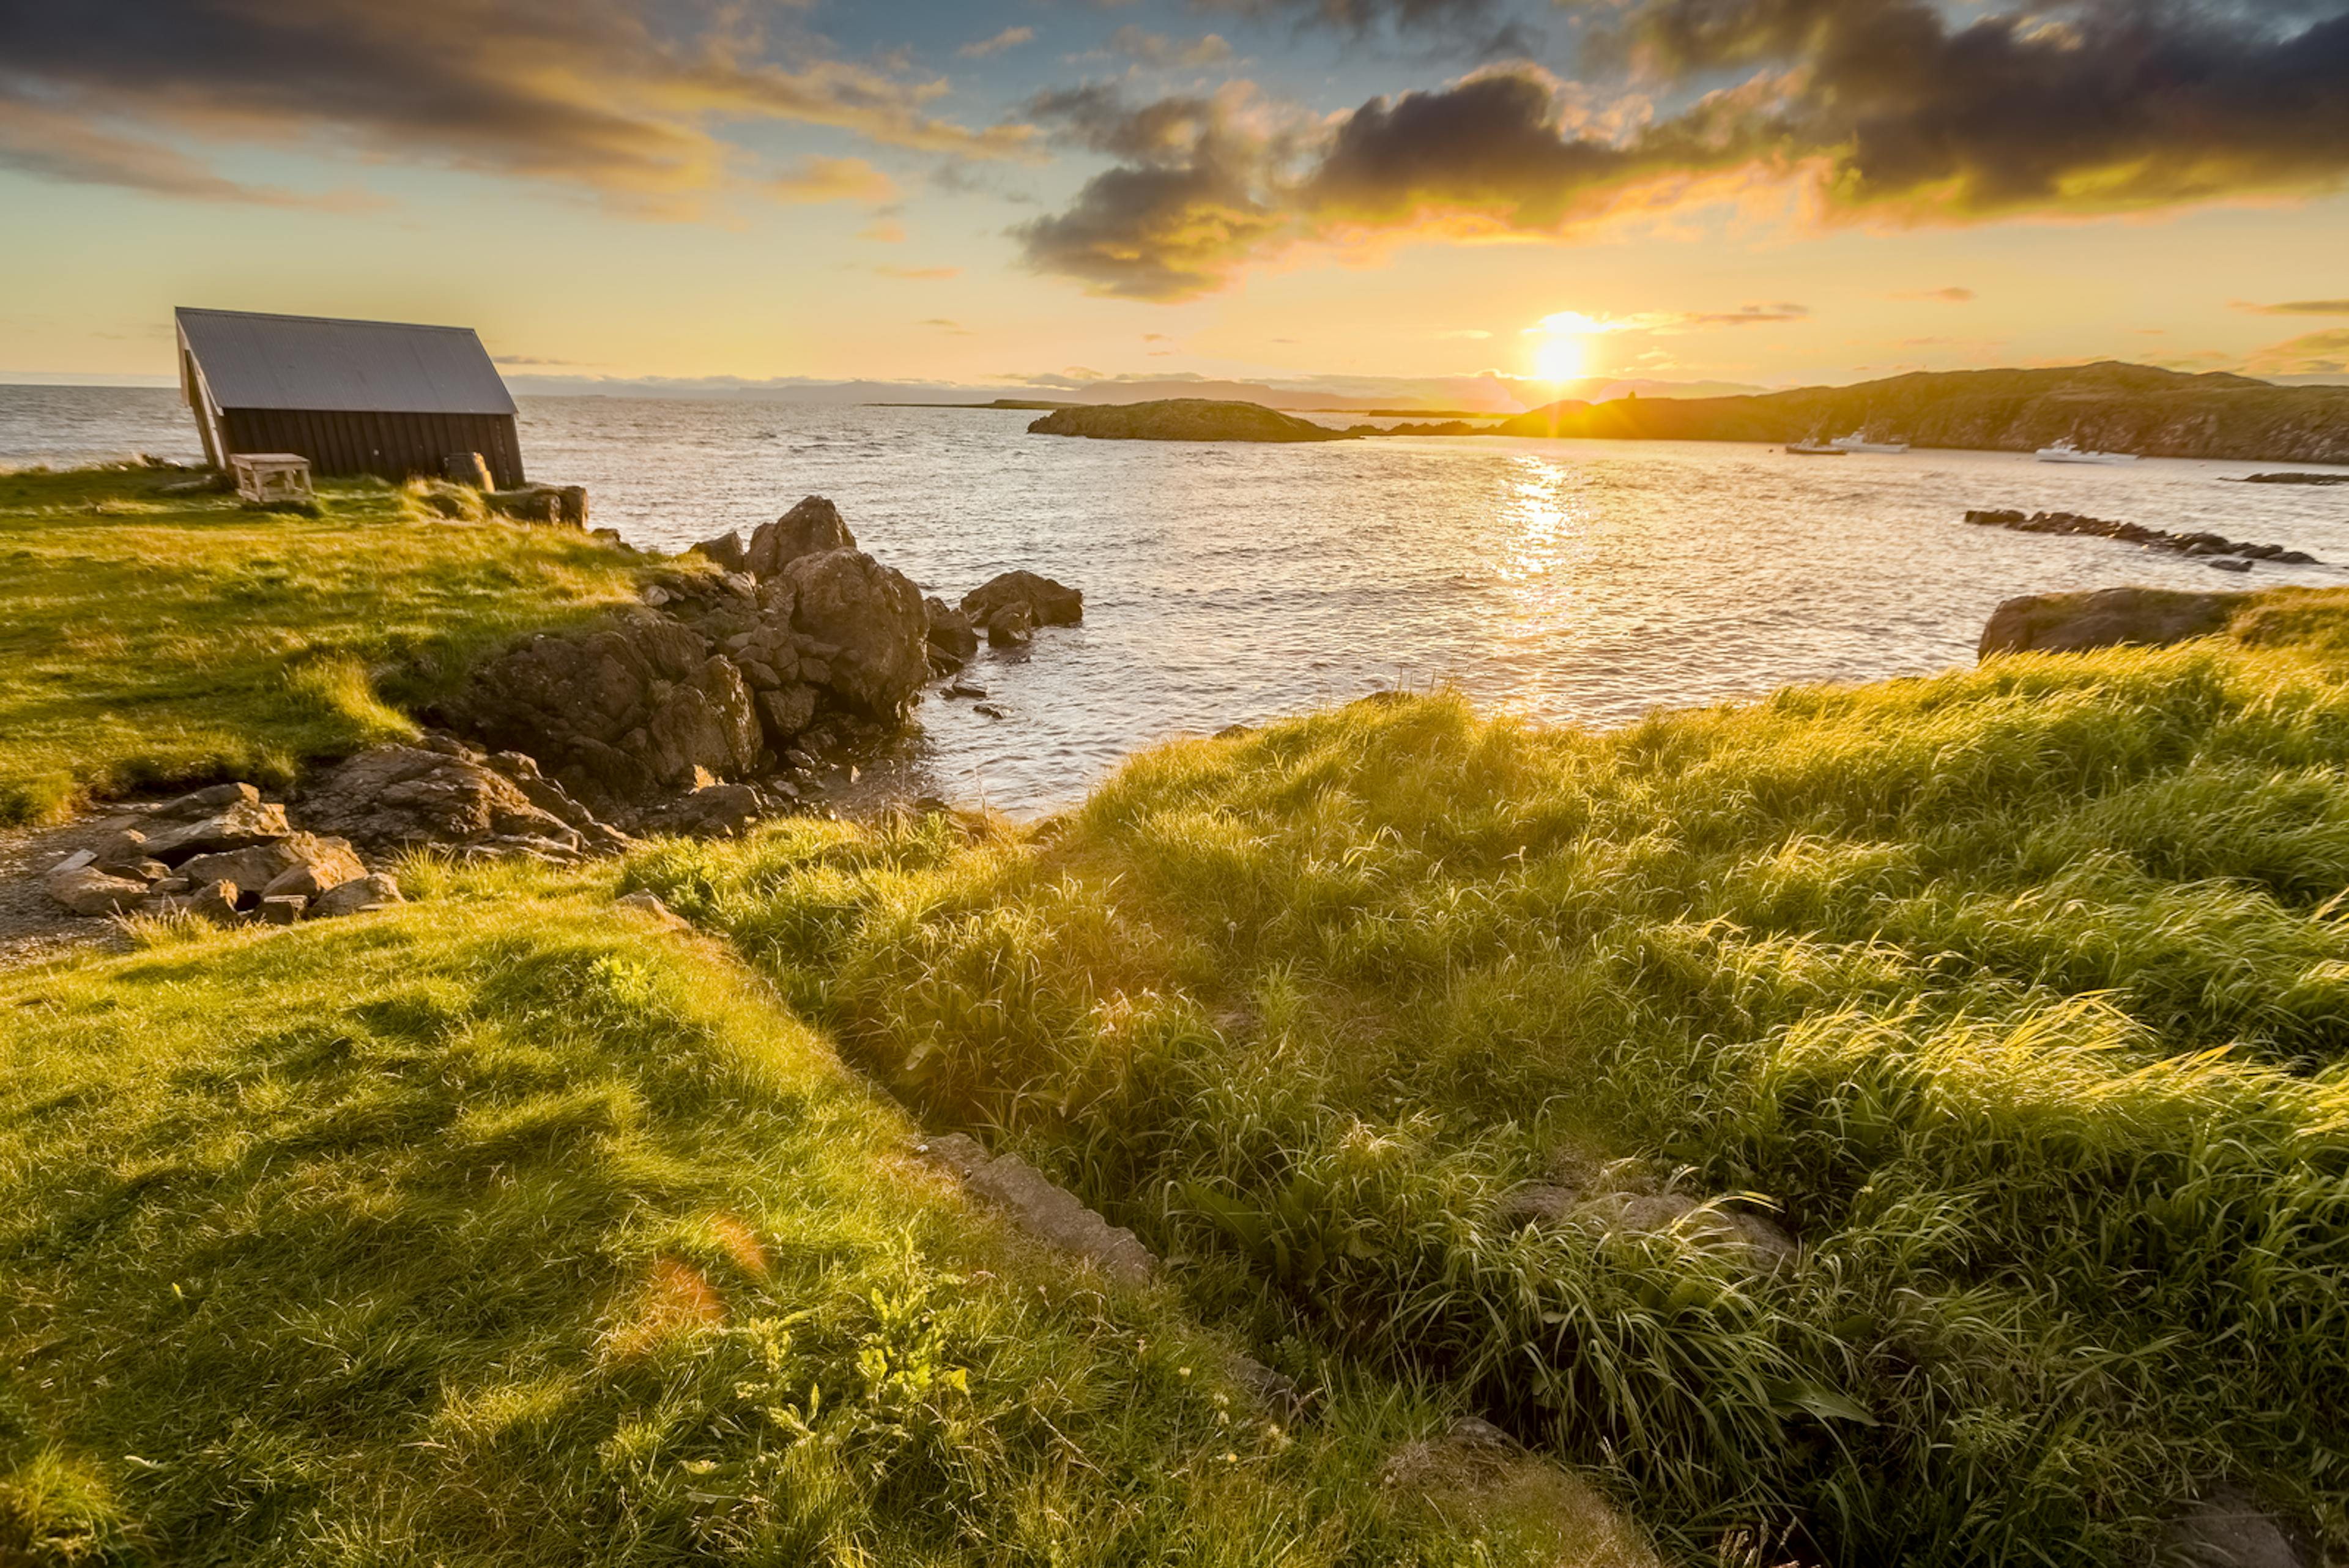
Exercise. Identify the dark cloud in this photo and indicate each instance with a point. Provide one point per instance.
(1889, 108)
(599, 93)
(1357, 15)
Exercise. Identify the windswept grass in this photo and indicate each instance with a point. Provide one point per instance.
(148, 639)
(504, 1229)
(2022, 996)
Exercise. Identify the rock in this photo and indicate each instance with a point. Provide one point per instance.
(1625, 1197)
(214, 902)
(87, 891)
(2229, 1529)
(300, 863)
(989, 711)
(785, 712)
(950, 632)
(966, 691)
(238, 826)
(1479, 1483)
(648, 903)
(2075, 622)
(1010, 626)
(1047, 603)
(398, 796)
(874, 615)
(714, 811)
(282, 908)
(356, 897)
(205, 803)
(2228, 565)
(814, 527)
(562, 505)
(727, 550)
(1051, 1214)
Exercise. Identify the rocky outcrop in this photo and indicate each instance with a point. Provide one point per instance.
(2108, 617)
(720, 676)
(1047, 603)
(1183, 418)
(2295, 479)
(2216, 546)
(811, 528)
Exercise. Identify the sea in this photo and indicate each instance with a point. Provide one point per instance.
(1575, 582)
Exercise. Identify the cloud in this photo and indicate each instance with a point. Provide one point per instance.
(830, 180)
(1884, 110)
(919, 274)
(2311, 354)
(610, 96)
(1156, 49)
(1357, 15)
(34, 140)
(944, 324)
(1936, 296)
(885, 231)
(1009, 39)
(2298, 308)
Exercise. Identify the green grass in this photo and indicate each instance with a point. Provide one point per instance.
(501, 1229)
(2022, 994)
(151, 640)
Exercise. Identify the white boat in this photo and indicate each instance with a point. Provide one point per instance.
(1813, 449)
(2069, 450)
(1858, 442)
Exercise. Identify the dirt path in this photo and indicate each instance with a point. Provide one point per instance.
(32, 929)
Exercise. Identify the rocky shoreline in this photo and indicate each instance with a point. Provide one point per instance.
(2224, 554)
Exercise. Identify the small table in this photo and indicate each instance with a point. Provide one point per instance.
(267, 478)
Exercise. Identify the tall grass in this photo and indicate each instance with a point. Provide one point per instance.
(499, 1230)
(2017, 994)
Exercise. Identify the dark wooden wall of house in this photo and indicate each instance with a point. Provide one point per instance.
(392, 446)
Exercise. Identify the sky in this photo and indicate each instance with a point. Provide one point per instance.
(1051, 193)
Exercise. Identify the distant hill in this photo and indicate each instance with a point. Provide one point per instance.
(2107, 405)
(1183, 419)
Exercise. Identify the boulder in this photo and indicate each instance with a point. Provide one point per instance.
(952, 637)
(396, 796)
(300, 863)
(1010, 626)
(238, 826)
(205, 803)
(727, 550)
(564, 505)
(785, 712)
(356, 897)
(86, 891)
(873, 616)
(282, 908)
(214, 902)
(1047, 603)
(2075, 622)
(812, 528)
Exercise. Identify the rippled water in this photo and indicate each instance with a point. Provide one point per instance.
(1579, 581)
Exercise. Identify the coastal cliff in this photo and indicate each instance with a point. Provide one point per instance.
(2107, 405)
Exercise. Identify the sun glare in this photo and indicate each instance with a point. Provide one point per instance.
(1560, 359)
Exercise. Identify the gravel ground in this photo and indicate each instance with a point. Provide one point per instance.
(32, 928)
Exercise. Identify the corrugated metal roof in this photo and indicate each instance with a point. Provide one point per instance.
(252, 361)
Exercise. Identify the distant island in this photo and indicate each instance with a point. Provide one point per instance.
(1183, 419)
(2108, 405)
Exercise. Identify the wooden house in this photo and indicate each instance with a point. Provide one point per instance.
(353, 397)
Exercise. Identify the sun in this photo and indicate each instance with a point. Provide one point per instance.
(1561, 357)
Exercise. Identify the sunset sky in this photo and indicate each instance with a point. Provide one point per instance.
(1046, 191)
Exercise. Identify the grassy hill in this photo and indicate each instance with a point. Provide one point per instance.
(2109, 406)
(2018, 996)
(155, 639)
(503, 1229)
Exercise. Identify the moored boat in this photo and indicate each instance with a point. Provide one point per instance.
(1813, 449)
(1858, 442)
(2069, 450)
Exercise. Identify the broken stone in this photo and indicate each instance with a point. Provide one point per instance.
(238, 826)
(1051, 1214)
(87, 891)
(358, 896)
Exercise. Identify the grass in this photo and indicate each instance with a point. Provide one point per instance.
(2020, 995)
(503, 1229)
(150, 640)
